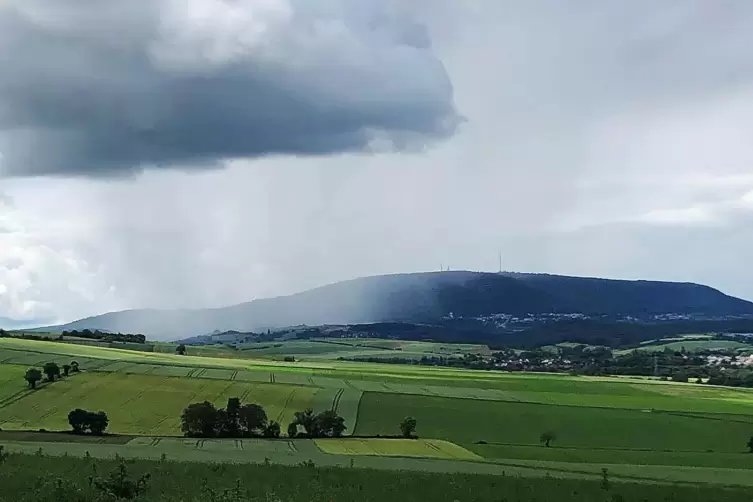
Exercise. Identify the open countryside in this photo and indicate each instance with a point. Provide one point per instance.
(467, 421)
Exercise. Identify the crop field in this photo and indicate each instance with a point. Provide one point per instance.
(144, 404)
(425, 448)
(575, 426)
(468, 421)
(11, 380)
(696, 345)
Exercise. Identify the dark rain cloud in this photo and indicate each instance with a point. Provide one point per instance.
(109, 88)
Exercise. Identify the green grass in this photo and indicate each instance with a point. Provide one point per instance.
(31, 478)
(467, 421)
(144, 404)
(445, 382)
(615, 456)
(425, 448)
(598, 420)
(698, 345)
(11, 381)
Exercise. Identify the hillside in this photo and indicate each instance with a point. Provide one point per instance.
(433, 298)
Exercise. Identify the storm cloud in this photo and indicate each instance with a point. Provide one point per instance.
(109, 88)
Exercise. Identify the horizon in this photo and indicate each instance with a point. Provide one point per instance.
(31, 324)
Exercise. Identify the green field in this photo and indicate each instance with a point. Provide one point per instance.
(425, 448)
(143, 404)
(698, 345)
(33, 478)
(468, 421)
(576, 426)
(11, 381)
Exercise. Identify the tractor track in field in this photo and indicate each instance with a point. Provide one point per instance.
(234, 376)
(245, 394)
(285, 406)
(15, 397)
(336, 399)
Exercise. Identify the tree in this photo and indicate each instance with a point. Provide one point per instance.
(292, 430)
(680, 376)
(199, 420)
(33, 375)
(272, 430)
(547, 437)
(66, 369)
(307, 420)
(232, 426)
(180, 350)
(252, 419)
(329, 423)
(222, 425)
(750, 444)
(408, 427)
(74, 366)
(51, 370)
(88, 422)
(97, 422)
(77, 420)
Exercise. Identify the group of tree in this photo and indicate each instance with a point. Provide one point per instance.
(250, 420)
(105, 336)
(235, 421)
(88, 422)
(51, 372)
(324, 424)
(732, 378)
(677, 365)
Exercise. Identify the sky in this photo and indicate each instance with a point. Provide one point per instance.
(201, 153)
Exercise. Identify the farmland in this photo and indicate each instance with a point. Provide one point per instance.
(423, 448)
(468, 421)
(143, 404)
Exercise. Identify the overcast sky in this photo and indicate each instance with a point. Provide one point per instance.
(189, 153)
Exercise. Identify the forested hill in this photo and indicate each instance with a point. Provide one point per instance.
(431, 298)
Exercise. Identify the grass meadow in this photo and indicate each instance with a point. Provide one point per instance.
(469, 421)
(487, 423)
(144, 404)
(40, 477)
(424, 448)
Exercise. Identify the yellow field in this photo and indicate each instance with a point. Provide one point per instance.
(144, 404)
(426, 448)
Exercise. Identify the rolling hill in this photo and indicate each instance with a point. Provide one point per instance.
(430, 298)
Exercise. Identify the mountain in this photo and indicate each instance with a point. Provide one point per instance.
(432, 298)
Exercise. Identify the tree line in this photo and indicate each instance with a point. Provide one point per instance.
(51, 372)
(105, 336)
(236, 420)
(81, 421)
(86, 333)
